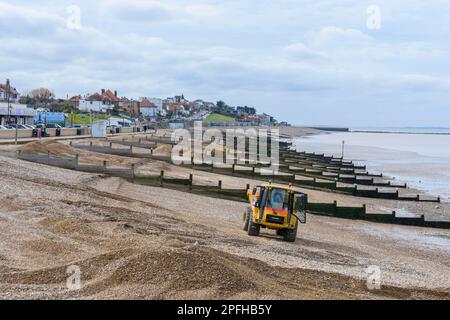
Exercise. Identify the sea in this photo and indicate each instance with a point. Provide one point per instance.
(418, 156)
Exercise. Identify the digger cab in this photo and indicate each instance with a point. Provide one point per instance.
(275, 207)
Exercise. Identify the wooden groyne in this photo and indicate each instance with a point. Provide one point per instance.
(188, 184)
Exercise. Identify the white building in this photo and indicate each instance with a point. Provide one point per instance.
(157, 102)
(98, 106)
(151, 111)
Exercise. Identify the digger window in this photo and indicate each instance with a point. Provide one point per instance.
(279, 200)
(256, 196)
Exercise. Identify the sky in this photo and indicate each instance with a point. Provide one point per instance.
(350, 63)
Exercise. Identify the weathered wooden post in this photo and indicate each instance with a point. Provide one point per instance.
(90, 144)
(48, 157)
(219, 187)
(191, 180)
(77, 159)
(133, 167)
(110, 145)
(104, 166)
(161, 180)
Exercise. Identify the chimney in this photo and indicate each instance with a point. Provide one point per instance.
(103, 91)
(115, 93)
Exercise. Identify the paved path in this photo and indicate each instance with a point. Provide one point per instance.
(26, 140)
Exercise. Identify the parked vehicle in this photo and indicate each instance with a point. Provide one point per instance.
(48, 126)
(3, 128)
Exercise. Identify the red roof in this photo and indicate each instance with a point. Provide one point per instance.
(75, 99)
(108, 95)
(145, 103)
(12, 90)
(95, 97)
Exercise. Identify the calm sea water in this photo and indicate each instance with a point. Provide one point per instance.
(420, 159)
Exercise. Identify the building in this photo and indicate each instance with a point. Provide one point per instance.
(265, 119)
(175, 107)
(176, 124)
(148, 108)
(98, 102)
(17, 112)
(180, 99)
(111, 98)
(158, 103)
(132, 106)
(93, 104)
(8, 91)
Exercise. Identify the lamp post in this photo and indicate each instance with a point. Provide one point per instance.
(8, 89)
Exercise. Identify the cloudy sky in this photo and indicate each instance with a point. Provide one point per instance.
(309, 62)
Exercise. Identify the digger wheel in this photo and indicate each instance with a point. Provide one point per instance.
(253, 229)
(290, 235)
(246, 218)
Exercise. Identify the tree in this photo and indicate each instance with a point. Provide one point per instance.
(221, 105)
(42, 95)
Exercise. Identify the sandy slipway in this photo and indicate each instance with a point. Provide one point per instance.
(131, 241)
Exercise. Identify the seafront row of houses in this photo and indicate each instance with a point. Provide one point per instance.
(24, 109)
(107, 100)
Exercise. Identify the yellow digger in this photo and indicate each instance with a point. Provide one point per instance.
(275, 207)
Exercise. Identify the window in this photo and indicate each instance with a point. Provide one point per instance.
(278, 200)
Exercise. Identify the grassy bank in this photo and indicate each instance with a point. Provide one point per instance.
(85, 118)
(219, 118)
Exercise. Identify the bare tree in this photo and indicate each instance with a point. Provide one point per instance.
(42, 95)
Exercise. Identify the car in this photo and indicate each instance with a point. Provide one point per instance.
(3, 127)
(29, 126)
(13, 127)
(49, 126)
(53, 126)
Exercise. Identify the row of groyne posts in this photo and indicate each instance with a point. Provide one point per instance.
(302, 169)
(188, 184)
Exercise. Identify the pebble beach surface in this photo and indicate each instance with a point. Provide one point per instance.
(132, 241)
